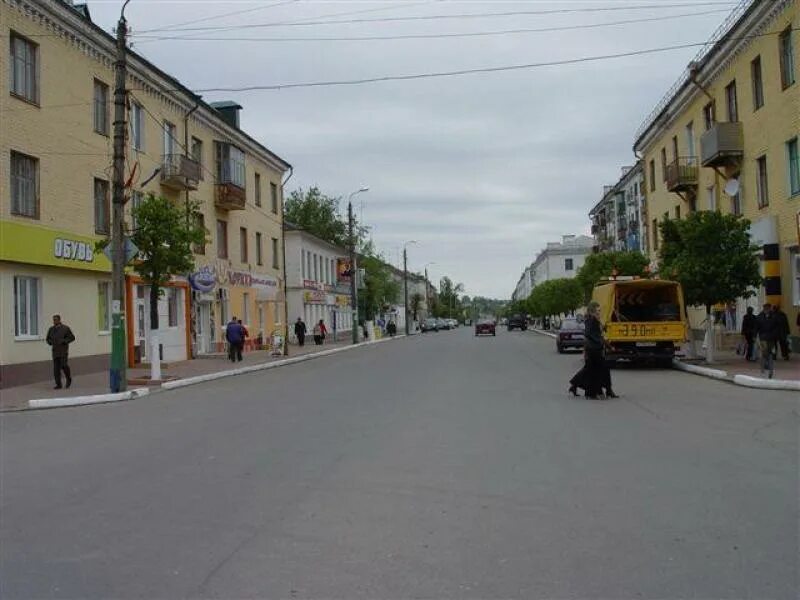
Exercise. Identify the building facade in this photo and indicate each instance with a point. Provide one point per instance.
(725, 138)
(619, 219)
(317, 287)
(56, 107)
(560, 259)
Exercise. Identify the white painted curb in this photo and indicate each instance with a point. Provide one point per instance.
(179, 383)
(767, 384)
(705, 371)
(84, 400)
(541, 332)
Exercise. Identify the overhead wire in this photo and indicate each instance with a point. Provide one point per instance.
(223, 16)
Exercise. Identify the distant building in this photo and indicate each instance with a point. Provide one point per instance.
(619, 219)
(557, 260)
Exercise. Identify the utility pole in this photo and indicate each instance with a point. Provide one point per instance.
(405, 288)
(353, 272)
(118, 378)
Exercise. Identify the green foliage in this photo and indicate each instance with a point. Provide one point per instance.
(555, 297)
(479, 306)
(712, 256)
(318, 214)
(600, 265)
(449, 304)
(381, 288)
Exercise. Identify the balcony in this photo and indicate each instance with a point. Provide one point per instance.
(682, 174)
(229, 196)
(722, 145)
(180, 172)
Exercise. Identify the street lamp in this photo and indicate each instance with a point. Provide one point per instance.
(405, 282)
(353, 269)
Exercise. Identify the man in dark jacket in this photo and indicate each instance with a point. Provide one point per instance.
(59, 336)
(783, 331)
(749, 331)
(300, 331)
(234, 333)
(768, 330)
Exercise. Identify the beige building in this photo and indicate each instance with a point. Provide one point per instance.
(55, 187)
(725, 137)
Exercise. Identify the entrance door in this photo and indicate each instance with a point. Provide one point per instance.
(203, 327)
(140, 324)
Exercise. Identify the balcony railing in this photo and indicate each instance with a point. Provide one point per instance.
(180, 172)
(682, 174)
(229, 196)
(722, 145)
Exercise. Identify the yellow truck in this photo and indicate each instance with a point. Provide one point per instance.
(644, 319)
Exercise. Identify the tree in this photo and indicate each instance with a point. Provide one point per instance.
(416, 303)
(713, 258)
(603, 264)
(319, 214)
(555, 297)
(380, 288)
(164, 239)
(449, 303)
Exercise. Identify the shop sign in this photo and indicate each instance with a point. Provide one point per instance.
(31, 244)
(204, 280)
(266, 287)
(315, 297)
(342, 300)
(310, 284)
(73, 250)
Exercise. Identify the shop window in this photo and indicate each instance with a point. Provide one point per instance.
(27, 300)
(173, 306)
(246, 308)
(104, 306)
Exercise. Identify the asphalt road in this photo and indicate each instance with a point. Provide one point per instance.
(441, 466)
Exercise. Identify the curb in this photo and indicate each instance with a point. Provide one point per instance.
(742, 380)
(86, 400)
(704, 371)
(542, 332)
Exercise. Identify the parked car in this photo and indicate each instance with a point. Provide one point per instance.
(485, 327)
(453, 323)
(429, 325)
(442, 324)
(569, 335)
(517, 322)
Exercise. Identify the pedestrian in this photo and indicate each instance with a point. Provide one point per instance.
(234, 333)
(391, 328)
(245, 336)
(595, 376)
(768, 330)
(749, 331)
(783, 330)
(323, 329)
(317, 332)
(300, 331)
(59, 337)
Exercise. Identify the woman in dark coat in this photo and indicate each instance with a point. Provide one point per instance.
(595, 374)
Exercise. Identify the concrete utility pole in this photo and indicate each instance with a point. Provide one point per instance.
(118, 378)
(353, 272)
(405, 288)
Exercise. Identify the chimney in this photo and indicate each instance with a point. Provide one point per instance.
(229, 111)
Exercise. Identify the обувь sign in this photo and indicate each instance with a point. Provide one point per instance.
(72, 250)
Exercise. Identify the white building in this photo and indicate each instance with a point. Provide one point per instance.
(560, 259)
(524, 286)
(316, 289)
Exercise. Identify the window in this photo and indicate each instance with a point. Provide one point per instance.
(693, 204)
(655, 234)
(787, 57)
(24, 69)
(652, 175)
(273, 194)
(690, 140)
(675, 147)
(200, 223)
(258, 189)
(243, 244)
(24, 185)
(173, 306)
(711, 194)
(26, 306)
(197, 150)
(793, 167)
(709, 115)
(736, 204)
(100, 107)
(568, 264)
(794, 262)
(104, 306)
(230, 165)
(758, 83)
(259, 249)
(102, 207)
(246, 308)
(678, 211)
(222, 239)
(274, 253)
(308, 264)
(136, 202)
(169, 138)
(316, 268)
(731, 103)
(762, 191)
(137, 127)
(261, 319)
(664, 164)
(303, 264)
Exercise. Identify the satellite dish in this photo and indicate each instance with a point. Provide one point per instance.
(732, 186)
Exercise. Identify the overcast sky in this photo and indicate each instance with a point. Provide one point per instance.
(482, 169)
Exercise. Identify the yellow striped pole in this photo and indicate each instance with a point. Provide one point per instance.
(772, 274)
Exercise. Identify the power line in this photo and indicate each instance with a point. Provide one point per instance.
(430, 75)
(222, 16)
(458, 16)
(423, 36)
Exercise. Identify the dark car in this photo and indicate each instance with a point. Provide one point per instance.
(569, 335)
(517, 322)
(429, 325)
(485, 327)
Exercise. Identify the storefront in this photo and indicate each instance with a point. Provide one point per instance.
(329, 304)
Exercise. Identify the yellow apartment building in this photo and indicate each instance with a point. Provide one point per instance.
(56, 104)
(725, 137)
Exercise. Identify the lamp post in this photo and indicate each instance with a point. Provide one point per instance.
(405, 283)
(353, 269)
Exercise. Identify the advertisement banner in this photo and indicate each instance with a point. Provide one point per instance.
(20, 242)
(343, 270)
(315, 297)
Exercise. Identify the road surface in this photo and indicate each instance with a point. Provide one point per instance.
(441, 466)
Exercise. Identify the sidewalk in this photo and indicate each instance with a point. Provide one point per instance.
(733, 364)
(17, 398)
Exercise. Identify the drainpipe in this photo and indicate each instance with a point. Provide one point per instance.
(186, 203)
(285, 277)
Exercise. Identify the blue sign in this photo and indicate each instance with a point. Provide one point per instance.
(204, 280)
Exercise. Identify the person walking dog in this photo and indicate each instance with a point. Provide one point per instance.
(59, 337)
